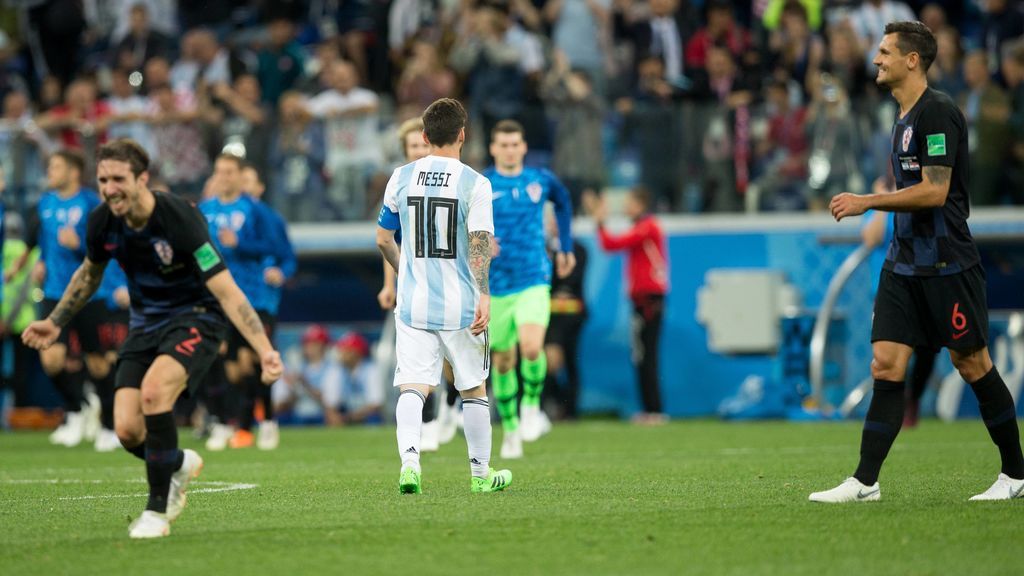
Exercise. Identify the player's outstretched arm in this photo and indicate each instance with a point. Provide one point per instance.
(247, 321)
(480, 265)
(84, 283)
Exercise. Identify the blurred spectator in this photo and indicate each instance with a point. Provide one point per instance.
(987, 109)
(1003, 21)
(141, 43)
(281, 63)
(579, 121)
(496, 56)
(157, 72)
(204, 60)
(773, 13)
(129, 113)
(782, 154)
(795, 47)
(310, 390)
(423, 80)
(835, 144)
(22, 149)
(845, 63)
(297, 154)
(934, 17)
(161, 15)
(869, 21)
(181, 159)
(568, 313)
(1013, 73)
(242, 118)
(726, 97)
(946, 73)
(662, 36)
(58, 26)
(352, 141)
(362, 392)
(407, 20)
(653, 122)
(81, 121)
(579, 29)
(51, 93)
(721, 30)
(351, 23)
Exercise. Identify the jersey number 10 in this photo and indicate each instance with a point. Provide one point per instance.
(428, 212)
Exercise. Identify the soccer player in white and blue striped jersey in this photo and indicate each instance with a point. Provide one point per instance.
(443, 208)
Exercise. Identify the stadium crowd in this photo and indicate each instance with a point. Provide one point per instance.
(713, 105)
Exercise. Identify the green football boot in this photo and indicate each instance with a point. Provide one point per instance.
(409, 482)
(496, 481)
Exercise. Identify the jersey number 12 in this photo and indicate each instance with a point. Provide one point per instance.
(428, 212)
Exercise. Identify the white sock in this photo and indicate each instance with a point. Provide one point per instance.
(476, 414)
(409, 417)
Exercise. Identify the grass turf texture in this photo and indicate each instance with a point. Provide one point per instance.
(692, 497)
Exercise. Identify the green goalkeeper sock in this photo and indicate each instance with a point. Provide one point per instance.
(506, 391)
(534, 374)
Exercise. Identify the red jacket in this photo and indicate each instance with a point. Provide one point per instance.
(646, 263)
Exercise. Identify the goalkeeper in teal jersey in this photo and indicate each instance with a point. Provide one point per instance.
(521, 281)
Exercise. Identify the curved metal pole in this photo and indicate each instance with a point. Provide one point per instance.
(820, 334)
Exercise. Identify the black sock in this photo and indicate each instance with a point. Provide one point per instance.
(250, 392)
(268, 401)
(162, 458)
(69, 389)
(138, 451)
(883, 422)
(105, 390)
(924, 365)
(1000, 417)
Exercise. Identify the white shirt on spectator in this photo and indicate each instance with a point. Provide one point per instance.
(351, 139)
(137, 130)
(868, 22)
(361, 386)
(323, 376)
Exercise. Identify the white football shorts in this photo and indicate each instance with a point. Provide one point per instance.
(421, 353)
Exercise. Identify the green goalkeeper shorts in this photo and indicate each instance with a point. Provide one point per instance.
(509, 312)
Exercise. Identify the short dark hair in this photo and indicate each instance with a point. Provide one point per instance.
(443, 120)
(507, 127)
(72, 158)
(642, 195)
(231, 158)
(125, 150)
(914, 37)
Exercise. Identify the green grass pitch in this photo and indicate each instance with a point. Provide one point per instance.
(693, 497)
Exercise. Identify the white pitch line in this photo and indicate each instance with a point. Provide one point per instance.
(219, 487)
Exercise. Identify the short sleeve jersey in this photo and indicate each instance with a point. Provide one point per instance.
(54, 214)
(519, 227)
(166, 263)
(437, 202)
(245, 261)
(932, 241)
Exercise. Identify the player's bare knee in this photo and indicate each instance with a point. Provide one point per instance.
(97, 365)
(885, 367)
(504, 361)
(530, 351)
(158, 394)
(972, 366)
(131, 434)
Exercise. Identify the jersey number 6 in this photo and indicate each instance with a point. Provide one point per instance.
(428, 213)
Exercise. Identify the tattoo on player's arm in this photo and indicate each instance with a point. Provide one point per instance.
(480, 259)
(938, 175)
(250, 319)
(84, 283)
